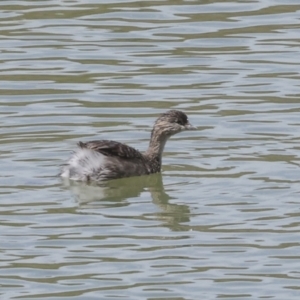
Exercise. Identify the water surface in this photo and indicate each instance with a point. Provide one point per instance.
(222, 220)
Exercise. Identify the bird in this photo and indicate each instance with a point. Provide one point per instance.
(100, 160)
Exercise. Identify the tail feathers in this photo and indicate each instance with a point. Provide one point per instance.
(83, 165)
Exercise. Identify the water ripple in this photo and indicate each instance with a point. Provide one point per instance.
(222, 220)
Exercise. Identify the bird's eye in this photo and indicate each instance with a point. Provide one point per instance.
(180, 122)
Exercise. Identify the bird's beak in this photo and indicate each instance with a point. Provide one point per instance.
(189, 126)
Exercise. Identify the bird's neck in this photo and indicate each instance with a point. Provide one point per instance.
(156, 145)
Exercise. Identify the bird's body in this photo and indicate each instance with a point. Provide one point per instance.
(103, 160)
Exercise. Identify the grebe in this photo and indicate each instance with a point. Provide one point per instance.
(103, 160)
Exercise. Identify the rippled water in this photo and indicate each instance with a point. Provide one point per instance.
(222, 220)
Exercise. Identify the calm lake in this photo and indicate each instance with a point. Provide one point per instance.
(222, 220)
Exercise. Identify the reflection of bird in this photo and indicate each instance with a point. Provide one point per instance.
(102, 160)
(116, 191)
(120, 192)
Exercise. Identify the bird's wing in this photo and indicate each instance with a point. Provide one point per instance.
(112, 148)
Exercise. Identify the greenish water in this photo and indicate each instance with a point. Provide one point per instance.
(222, 220)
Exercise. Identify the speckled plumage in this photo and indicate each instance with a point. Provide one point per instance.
(104, 159)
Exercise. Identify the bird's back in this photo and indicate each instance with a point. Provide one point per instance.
(103, 160)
